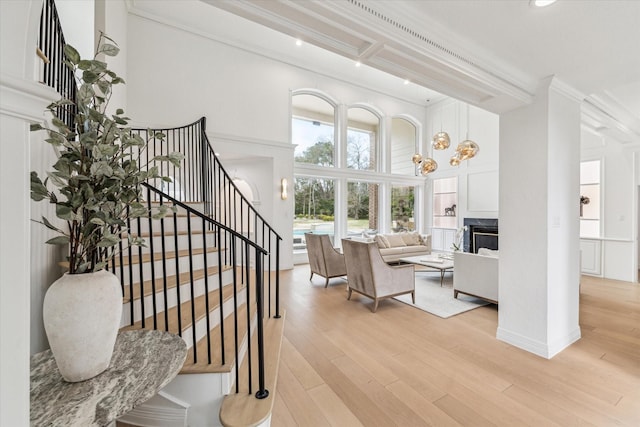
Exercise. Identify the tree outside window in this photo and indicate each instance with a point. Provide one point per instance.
(402, 209)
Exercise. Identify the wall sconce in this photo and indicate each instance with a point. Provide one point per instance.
(284, 188)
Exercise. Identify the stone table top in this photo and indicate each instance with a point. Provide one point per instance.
(142, 363)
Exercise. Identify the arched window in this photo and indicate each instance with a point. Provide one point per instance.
(313, 130)
(404, 139)
(363, 130)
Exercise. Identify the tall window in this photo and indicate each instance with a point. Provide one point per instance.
(402, 208)
(590, 199)
(362, 207)
(312, 130)
(314, 209)
(403, 146)
(339, 176)
(362, 136)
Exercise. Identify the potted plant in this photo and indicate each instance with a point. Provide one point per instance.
(96, 182)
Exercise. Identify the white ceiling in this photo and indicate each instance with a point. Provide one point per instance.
(490, 53)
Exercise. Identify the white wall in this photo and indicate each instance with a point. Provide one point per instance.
(619, 211)
(77, 24)
(477, 177)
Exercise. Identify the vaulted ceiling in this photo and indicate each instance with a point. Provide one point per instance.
(491, 54)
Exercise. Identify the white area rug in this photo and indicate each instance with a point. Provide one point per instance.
(432, 298)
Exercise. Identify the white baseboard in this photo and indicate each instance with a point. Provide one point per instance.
(539, 348)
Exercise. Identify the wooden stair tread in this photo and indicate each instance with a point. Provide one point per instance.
(200, 309)
(167, 233)
(243, 409)
(172, 282)
(216, 366)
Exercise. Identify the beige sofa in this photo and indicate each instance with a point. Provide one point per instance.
(476, 275)
(401, 245)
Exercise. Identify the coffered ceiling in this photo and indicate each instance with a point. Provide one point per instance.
(491, 54)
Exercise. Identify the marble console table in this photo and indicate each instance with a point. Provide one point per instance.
(142, 363)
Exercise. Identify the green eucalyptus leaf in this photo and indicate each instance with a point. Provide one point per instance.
(85, 93)
(63, 212)
(84, 64)
(35, 126)
(119, 111)
(89, 76)
(99, 66)
(100, 265)
(109, 49)
(108, 240)
(62, 126)
(176, 158)
(97, 221)
(101, 169)
(48, 224)
(103, 35)
(83, 267)
(56, 180)
(104, 86)
(59, 240)
(38, 190)
(71, 54)
(117, 80)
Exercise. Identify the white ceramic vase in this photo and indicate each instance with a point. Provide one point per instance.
(81, 315)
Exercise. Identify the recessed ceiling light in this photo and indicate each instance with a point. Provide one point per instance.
(358, 63)
(407, 81)
(298, 42)
(541, 3)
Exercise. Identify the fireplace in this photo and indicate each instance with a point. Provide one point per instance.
(480, 233)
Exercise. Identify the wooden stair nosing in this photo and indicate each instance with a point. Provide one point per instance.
(124, 235)
(200, 311)
(244, 409)
(172, 282)
(216, 365)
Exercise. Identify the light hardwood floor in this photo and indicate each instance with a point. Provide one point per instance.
(343, 365)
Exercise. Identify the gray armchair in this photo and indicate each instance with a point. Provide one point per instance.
(369, 275)
(324, 260)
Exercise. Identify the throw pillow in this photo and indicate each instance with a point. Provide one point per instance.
(488, 252)
(411, 239)
(381, 241)
(395, 240)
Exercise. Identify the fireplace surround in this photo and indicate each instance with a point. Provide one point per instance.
(480, 233)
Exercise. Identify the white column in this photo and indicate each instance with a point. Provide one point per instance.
(539, 222)
(22, 101)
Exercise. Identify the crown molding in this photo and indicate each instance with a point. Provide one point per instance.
(565, 89)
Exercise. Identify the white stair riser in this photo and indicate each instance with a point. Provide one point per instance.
(214, 320)
(169, 226)
(172, 297)
(197, 241)
(184, 265)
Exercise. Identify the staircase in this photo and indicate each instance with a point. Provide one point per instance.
(208, 272)
(201, 280)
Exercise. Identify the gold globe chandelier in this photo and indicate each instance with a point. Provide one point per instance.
(424, 165)
(465, 150)
(441, 141)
